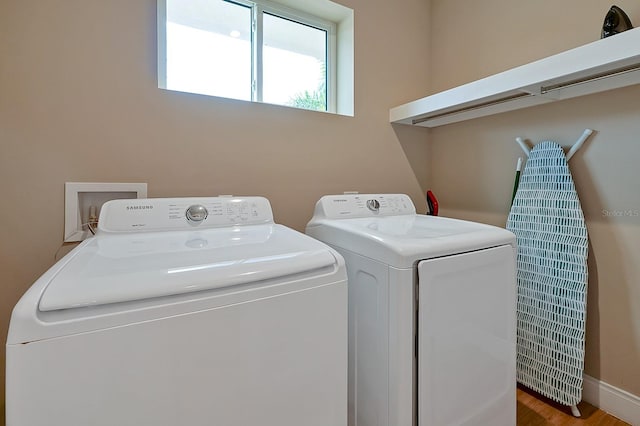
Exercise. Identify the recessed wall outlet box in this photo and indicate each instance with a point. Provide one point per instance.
(83, 200)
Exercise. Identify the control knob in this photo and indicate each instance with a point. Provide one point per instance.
(196, 213)
(373, 205)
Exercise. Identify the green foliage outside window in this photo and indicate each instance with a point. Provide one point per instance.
(316, 100)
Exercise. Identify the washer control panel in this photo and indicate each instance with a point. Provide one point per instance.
(183, 213)
(363, 205)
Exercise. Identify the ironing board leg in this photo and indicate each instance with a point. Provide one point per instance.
(523, 145)
(576, 146)
(575, 411)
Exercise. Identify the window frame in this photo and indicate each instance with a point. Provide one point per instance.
(258, 8)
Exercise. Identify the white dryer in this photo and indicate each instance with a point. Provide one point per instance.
(432, 313)
(185, 311)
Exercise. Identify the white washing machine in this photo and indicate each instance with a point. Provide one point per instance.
(185, 311)
(432, 313)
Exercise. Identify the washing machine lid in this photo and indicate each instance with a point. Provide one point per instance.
(112, 268)
(401, 241)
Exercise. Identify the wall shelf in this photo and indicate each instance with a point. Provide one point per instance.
(602, 65)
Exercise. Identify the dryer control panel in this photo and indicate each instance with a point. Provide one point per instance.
(363, 205)
(158, 214)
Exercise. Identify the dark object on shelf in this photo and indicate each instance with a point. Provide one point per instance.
(616, 21)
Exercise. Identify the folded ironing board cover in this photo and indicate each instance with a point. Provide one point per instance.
(552, 276)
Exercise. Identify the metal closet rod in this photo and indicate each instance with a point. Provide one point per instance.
(473, 107)
(543, 91)
(595, 77)
(576, 146)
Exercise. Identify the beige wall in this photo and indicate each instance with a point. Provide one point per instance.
(473, 162)
(79, 102)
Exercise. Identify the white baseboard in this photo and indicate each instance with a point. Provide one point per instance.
(614, 401)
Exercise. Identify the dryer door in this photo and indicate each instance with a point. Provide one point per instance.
(467, 339)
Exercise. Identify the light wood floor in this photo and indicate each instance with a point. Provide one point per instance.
(536, 410)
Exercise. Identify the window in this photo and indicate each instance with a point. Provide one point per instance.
(257, 50)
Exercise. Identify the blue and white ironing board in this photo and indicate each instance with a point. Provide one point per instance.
(547, 219)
